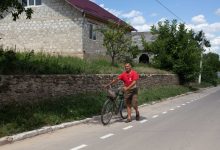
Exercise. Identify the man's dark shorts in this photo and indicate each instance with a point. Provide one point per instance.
(131, 96)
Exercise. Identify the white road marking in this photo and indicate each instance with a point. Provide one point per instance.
(143, 121)
(164, 112)
(183, 104)
(128, 127)
(79, 147)
(178, 106)
(172, 109)
(155, 116)
(106, 136)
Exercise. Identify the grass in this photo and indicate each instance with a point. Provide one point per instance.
(17, 117)
(39, 63)
(161, 92)
(20, 117)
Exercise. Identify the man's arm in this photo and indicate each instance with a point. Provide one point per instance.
(112, 82)
(130, 86)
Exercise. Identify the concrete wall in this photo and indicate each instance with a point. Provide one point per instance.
(93, 47)
(32, 88)
(55, 28)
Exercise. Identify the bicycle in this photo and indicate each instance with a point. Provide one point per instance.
(114, 104)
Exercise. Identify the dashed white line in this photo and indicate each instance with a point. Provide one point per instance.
(178, 106)
(106, 136)
(143, 121)
(187, 102)
(172, 109)
(155, 116)
(164, 112)
(183, 104)
(79, 147)
(128, 127)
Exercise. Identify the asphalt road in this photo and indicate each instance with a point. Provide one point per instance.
(190, 122)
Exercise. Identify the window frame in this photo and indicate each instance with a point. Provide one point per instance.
(92, 32)
(28, 3)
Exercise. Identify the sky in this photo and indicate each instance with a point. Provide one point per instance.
(196, 14)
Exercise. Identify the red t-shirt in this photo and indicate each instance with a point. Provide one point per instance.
(128, 78)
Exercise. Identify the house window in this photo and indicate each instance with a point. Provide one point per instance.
(92, 33)
(31, 2)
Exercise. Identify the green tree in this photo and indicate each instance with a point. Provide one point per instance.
(117, 40)
(15, 8)
(210, 68)
(202, 43)
(176, 49)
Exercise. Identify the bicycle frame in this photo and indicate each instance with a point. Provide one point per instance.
(113, 104)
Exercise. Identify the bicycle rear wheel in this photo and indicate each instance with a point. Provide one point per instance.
(123, 110)
(107, 111)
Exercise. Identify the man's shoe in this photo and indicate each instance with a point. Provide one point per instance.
(138, 116)
(128, 120)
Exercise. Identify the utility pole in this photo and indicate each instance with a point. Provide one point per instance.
(200, 66)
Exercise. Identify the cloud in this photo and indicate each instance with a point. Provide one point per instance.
(133, 17)
(217, 12)
(200, 19)
(211, 30)
(131, 14)
(137, 20)
(113, 11)
(144, 27)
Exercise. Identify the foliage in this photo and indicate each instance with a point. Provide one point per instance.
(178, 49)
(117, 40)
(15, 8)
(39, 63)
(210, 68)
(20, 117)
(160, 92)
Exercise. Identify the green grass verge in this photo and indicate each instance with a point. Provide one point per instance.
(160, 92)
(18, 117)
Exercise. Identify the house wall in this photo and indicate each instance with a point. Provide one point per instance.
(55, 28)
(137, 40)
(93, 47)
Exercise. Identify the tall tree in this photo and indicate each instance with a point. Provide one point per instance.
(176, 49)
(202, 44)
(15, 8)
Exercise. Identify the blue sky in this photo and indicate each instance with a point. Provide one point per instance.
(197, 14)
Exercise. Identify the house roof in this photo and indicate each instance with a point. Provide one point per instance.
(95, 10)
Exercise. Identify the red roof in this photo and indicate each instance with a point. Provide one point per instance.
(95, 10)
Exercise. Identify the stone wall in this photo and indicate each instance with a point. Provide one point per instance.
(32, 88)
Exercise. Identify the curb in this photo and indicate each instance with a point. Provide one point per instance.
(29, 134)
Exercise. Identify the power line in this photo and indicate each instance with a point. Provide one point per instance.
(169, 10)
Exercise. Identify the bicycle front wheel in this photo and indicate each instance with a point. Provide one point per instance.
(107, 111)
(123, 110)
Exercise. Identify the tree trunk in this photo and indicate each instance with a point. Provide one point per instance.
(113, 60)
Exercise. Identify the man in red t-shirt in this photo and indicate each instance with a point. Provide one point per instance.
(129, 77)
